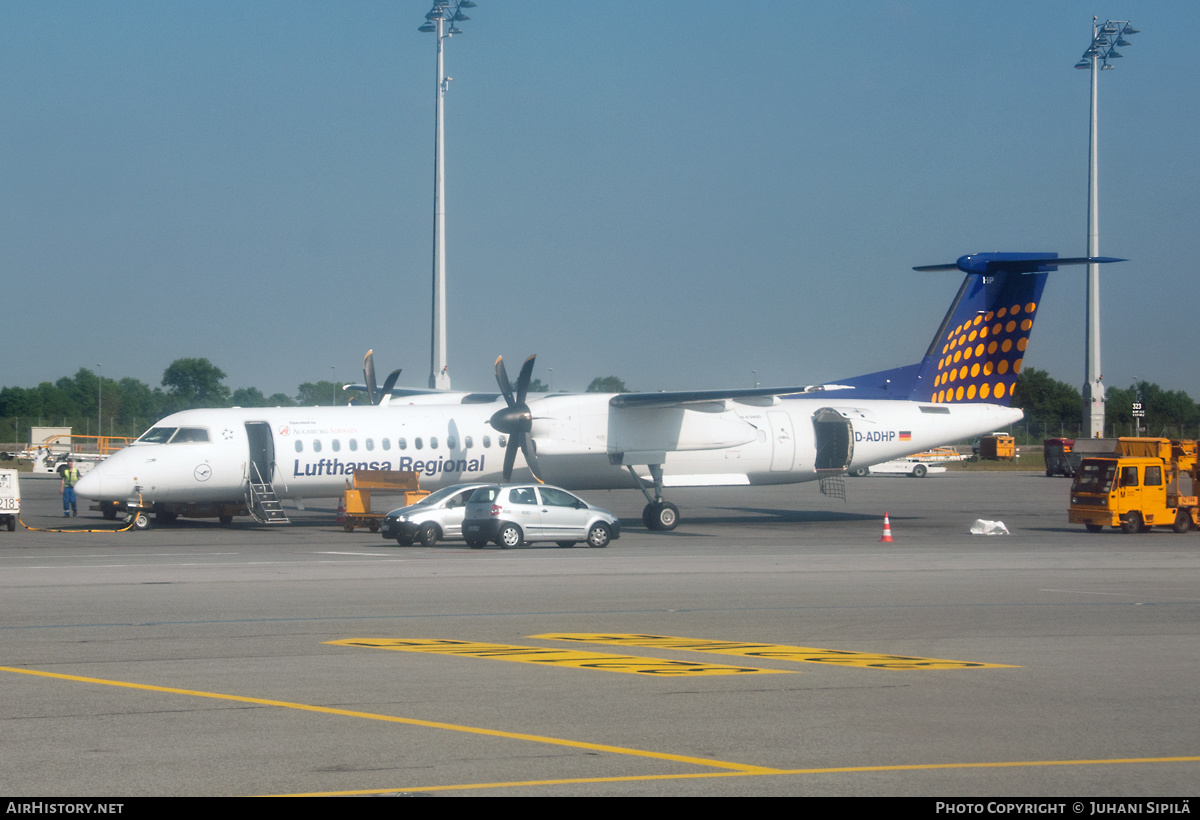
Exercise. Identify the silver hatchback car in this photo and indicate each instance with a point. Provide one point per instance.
(513, 514)
(436, 516)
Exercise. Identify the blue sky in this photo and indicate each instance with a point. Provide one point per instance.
(676, 194)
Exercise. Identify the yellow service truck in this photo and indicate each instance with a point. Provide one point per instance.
(998, 447)
(1147, 482)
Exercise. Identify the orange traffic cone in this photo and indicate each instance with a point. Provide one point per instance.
(887, 529)
(341, 511)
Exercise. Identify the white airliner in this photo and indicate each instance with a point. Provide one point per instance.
(227, 461)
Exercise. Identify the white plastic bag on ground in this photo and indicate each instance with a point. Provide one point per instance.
(984, 527)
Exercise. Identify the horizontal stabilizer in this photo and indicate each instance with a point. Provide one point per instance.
(996, 263)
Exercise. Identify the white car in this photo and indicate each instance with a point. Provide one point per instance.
(513, 514)
(436, 516)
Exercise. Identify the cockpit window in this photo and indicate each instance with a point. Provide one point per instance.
(157, 435)
(188, 435)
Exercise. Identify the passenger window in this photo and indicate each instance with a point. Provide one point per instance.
(451, 442)
(387, 444)
(522, 495)
(502, 441)
(487, 441)
(353, 444)
(337, 445)
(468, 443)
(402, 443)
(557, 498)
(370, 444)
(433, 442)
(417, 443)
(316, 445)
(299, 446)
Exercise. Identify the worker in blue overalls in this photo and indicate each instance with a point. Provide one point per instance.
(70, 477)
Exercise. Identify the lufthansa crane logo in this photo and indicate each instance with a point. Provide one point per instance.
(203, 472)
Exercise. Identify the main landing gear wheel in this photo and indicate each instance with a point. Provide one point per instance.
(660, 515)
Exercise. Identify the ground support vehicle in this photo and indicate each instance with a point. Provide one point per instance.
(515, 514)
(1056, 452)
(357, 498)
(435, 517)
(52, 454)
(918, 465)
(1067, 463)
(10, 499)
(1148, 482)
(911, 467)
(997, 447)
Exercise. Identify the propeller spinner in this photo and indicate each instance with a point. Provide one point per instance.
(515, 420)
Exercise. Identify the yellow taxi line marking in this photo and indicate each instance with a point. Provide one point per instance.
(773, 772)
(558, 657)
(429, 724)
(803, 654)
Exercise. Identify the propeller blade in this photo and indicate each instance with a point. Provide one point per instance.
(502, 380)
(389, 383)
(529, 449)
(369, 376)
(510, 457)
(523, 379)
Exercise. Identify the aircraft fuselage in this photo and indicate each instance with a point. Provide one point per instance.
(582, 444)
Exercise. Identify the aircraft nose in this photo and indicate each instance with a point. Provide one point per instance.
(103, 484)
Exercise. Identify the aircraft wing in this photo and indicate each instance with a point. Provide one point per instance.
(679, 397)
(395, 391)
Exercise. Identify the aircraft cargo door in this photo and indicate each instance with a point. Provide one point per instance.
(835, 439)
(783, 452)
(262, 452)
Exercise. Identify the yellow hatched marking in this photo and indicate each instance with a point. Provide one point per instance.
(557, 657)
(804, 654)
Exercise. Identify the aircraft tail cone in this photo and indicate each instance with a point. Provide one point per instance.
(341, 510)
(887, 530)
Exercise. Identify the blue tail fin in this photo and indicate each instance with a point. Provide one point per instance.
(977, 352)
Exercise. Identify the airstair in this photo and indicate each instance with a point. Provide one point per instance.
(261, 500)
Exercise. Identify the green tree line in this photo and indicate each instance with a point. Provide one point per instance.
(128, 406)
(1053, 408)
